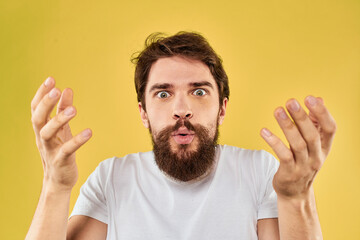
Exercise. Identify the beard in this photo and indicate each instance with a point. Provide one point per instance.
(185, 164)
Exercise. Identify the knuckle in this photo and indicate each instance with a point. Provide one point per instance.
(316, 165)
(33, 105)
(276, 143)
(287, 157)
(43, 134)
(314, 138)
(77, 141)
(300, 146)
(35, 120)
(302, 117)
(321, 110)
(288, 125)
(57, 121)
(334, 129)
(47, 101)
(331, 128)
(64, 152)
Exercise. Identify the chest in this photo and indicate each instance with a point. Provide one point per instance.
(224, 207)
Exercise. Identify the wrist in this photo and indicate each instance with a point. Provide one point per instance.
(304, 203)
(300, 213)
(51, 188)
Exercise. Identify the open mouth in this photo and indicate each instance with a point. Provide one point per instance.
(183, 136)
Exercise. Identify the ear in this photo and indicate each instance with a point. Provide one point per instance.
(222, 111)
(143, 116)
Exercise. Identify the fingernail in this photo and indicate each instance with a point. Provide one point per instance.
(69, 111)
(86, 133)
(48, 81)
(282, 114)
(53, 93)
(294, 105)
(311, 100)
(266, 132)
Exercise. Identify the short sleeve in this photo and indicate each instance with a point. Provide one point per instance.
(267, 207)
(92, 198)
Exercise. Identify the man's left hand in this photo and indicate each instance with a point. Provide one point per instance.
(310, 137)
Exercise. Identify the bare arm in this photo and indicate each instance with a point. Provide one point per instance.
(86, 228)
(57, 148)
(310, 138)
(298, 218)
(268, 229)
(50, 219)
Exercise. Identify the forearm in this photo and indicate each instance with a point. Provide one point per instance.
(51, 215)
(298, 218)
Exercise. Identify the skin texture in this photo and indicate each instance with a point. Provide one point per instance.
(175, 77)
(57, 148)
(310, 137)
(180, 88)
(171, 95)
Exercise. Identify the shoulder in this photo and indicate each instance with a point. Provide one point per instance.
(244, 153)
(247, 158)
(115, 164)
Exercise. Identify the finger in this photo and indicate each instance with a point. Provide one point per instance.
(74, 144)
(312, 116)
(292, 134)
(326, 121)
(52, 127)
(43, 110)
(306, 127)
(41, 92)
(66, 100)
(284, 154)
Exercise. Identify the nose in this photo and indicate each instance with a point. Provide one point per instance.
(182, 109)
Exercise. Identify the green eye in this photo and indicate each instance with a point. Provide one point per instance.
(199, 92)
(163, 94)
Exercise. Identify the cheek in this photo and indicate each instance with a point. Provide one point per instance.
(157, 121)
(212, 123)
(208, 115)
(213, 128)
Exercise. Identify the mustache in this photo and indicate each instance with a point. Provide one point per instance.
(180, 123)
(166, 132)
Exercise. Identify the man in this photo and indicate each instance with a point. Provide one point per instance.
(188, 187)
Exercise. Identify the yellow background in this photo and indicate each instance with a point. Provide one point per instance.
(272, 49)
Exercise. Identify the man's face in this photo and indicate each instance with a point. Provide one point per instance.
(182, 107)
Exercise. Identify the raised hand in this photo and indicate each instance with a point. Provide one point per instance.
(310, 138)
(54, 140)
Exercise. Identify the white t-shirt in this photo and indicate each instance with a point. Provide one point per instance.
(137, 201)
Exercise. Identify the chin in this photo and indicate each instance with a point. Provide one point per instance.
(181, 149)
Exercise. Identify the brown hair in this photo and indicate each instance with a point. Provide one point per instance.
(186, 44)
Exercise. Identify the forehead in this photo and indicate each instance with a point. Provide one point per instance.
(179, 71)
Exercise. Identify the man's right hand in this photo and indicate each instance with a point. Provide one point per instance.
(54, 140)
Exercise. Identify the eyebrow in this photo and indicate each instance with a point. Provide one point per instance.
(201, 84)
(159, 86)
